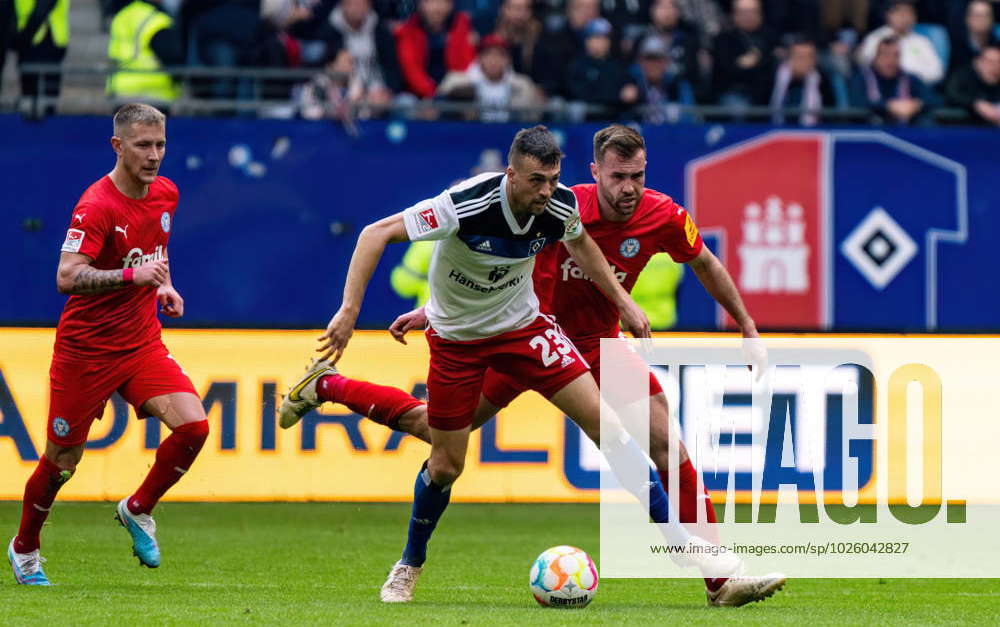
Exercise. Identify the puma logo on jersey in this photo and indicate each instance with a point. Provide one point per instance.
(122, 231)
(79, 217)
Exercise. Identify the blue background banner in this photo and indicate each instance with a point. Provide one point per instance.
(270, 211)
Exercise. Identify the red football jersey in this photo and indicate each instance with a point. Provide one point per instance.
(582, 310)
(116, 232)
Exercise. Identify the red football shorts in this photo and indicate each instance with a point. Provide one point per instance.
(501, 389)
(538, 354)
(79, 388)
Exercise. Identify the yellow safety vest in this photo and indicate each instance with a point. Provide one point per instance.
(57, 23)
(409, 278)
(131, 31)
(656, 291)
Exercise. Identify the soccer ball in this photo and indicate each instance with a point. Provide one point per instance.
(563, 576)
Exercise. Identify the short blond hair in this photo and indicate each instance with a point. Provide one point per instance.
(137, 113)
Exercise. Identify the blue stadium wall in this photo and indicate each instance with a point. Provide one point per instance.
(270, 210)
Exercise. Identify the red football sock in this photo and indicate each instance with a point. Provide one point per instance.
(689, 495)
(688, 504)
(381, 403)
(173, 458)
(39, 494)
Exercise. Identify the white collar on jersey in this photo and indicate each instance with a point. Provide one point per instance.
(509, 215)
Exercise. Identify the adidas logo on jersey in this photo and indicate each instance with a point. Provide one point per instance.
(566, 360)
(485, 247)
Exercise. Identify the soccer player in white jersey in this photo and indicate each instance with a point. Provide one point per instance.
(483, 314)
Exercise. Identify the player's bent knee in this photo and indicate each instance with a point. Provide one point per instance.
(445, 472)
(63, 457)
(193, 434)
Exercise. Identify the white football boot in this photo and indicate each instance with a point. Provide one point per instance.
(739, 591)
(398, 587)
(142, 528)
(27, 567)
(301, 397)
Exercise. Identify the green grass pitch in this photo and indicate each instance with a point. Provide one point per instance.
(323, 564)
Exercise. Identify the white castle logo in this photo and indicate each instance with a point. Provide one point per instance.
(774, 256)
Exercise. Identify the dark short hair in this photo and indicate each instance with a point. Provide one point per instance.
(894, 4)
(137, 113)
(891, 40)
(799, 39)
(624, 140)
(537, 142)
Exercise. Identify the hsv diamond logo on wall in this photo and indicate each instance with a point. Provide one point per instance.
(831, 229)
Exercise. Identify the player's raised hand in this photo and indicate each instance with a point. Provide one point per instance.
(415, 319)
(171, 303)
(154, 273)
(634, 319)
(338, 333)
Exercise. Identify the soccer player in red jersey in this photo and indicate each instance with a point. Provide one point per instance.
(114, 267)
(630, 224)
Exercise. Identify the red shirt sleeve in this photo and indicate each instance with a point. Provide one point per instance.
(88, 228)
(680, 237)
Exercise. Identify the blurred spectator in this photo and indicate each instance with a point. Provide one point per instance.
(744, 57)
(143, 37)
(491, 83)
(482, 13)
(663, 90)
(706, 16)
(292, 33)
(799, 84)
(224, 34)
(919, 56)
(519, 28)
(793, 16)
(838, 14)
(435, 40)
(561, 43)
(395, 12)
(304, 29)
(372, 49)
(596, 77)
(886, 89)
(665, 23)
(42, 35)
(334, 93)
(977, 86)
(625, 14)
(977, 33)
(839, 53)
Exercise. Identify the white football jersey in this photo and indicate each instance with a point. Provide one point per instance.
(480, 272)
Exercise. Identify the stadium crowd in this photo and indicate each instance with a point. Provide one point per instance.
(798, 61)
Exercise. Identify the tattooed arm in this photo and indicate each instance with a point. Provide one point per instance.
(76, 276)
